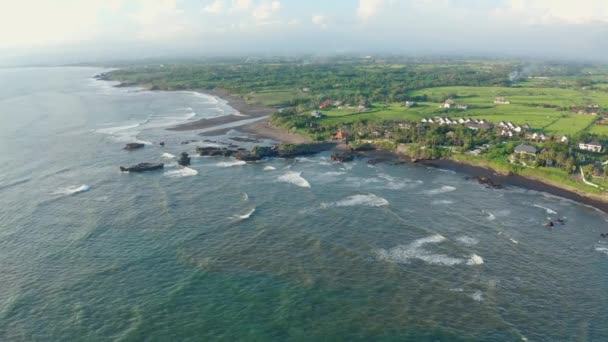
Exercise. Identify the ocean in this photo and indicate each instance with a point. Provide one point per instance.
(283, 249)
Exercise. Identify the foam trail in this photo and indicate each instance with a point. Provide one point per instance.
(231, 163)
(294, 178)
(72, 190)
(245, 197)
(549, 211)
(442, 190)
(246, 215)
(369, 200)
(167, 156)
(477, 296)
(184, 172)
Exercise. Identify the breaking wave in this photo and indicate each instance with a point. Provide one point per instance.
(442, 190)
(369, 200)
(269, 168)
(294, 178)
(477, 296)
(416, 251)
(231, 163)
(184, 172)
(167, 156)
(602, 250)
(437, 202)
(246, 215)
(475, 260)
(72, 190)
(467, 240)
(549, 211)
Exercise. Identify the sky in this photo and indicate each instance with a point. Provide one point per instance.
(105, 29)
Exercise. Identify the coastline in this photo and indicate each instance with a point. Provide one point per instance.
(264, 129)
(541, 185)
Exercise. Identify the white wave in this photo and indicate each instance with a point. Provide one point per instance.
(231, 163)
(184, 172)
(304, 159)
(475, 260)
(437, 202)
(113, 130)
(477, 296)
(245, 197)
(548, 210)
(246, 215)
(446, 171)
(467, 240)
(602, 250)
(269, 168)
(71, 190)
(167, 156)
(491, 217)
(513, 240)
(334, 173)
(415, 251)
(294, 178)
(442, 190)
(405, 253)
(368, 200)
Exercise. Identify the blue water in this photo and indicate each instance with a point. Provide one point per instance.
(302, 249)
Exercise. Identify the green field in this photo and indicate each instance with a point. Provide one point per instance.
(525, 108)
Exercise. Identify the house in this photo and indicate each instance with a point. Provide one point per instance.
(506, 133)
(306, 90)
(501, 101)
(475, 126)
(340, 135)
(325, 104)
(592, 146)
(448, 104)
(317, 114)
(462, 106)
(410, 104)
(526, 149)
(563, 139)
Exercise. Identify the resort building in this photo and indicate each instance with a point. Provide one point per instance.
(592, 146)
(526, 149)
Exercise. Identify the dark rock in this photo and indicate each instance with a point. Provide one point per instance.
(162, 143)
(245, 139)
(487, 182)
(215, 151)
(134, 146)
(344, 157)
(188, 141)
(143, 167)
(378, 161)
(184, 160)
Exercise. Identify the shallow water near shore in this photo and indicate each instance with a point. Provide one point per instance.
(301, 249)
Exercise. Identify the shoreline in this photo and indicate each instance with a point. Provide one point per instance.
(264, 129)
(518, 181)
(246, 110)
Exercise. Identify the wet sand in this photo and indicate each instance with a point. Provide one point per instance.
(248, 111)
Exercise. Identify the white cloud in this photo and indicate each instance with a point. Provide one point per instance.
(241, 5)
(319, 20)
(266, 10)
(558, 11)
(215, 7)
(369, 8)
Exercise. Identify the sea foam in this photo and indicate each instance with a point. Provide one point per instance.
(548, 210)
(246, 215)
(442, 190)
(72, 190)
(294, 178)
(183, 172)
(368, 200)
(231, 163)
(167, 156)
(269, 168)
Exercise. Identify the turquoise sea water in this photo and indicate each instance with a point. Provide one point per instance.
(302, 249)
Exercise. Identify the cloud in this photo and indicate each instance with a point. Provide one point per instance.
(369, 8)
(319, 20)
(266, 10)
(241, 5)
(557, 11)
(215, 7)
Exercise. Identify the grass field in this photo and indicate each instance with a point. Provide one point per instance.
(525, 108)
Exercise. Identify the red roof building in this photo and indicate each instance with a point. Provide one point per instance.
(325, 104)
